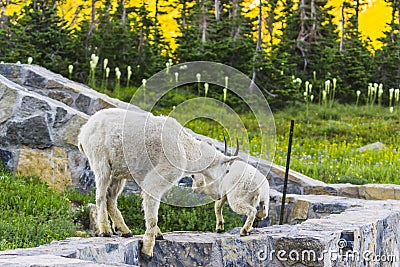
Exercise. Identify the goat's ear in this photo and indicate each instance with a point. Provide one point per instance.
(229, 159)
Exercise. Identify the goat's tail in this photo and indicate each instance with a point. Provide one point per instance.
(80, 147)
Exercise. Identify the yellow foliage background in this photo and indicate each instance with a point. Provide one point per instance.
(373, 18)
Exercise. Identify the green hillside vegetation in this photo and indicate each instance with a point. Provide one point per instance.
(325, 148)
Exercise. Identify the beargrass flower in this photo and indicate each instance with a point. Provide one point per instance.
(369, 90)
(327, 86)
(397, 95)
(380, 93)
(129, 74)
(105, 63)
(30, 60)
(225, 93)
(70, 69)
(391, 91)
(205, 89)
(117, 73)
(324, 93)
(107, 72)
(95, 59)
(176, 76)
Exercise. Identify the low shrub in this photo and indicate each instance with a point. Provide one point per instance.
(31, 213)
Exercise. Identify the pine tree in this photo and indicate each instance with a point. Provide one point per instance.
(387, 59)
(308, 49)
(40, 33)
(356, 64)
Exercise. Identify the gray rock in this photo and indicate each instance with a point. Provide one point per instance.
(82, 103)
(61, 117)
(6, 159)
(32, 132)
(61, 96)
(373, 146)
(31, 105)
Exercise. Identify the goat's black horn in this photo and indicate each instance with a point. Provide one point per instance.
(226, 146)
(237, 148)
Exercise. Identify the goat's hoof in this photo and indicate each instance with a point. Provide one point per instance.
(145, 257)
(126, 235)
(220, 231)
(244, 233)
(105, 235)
(159, 237)
(256, 224)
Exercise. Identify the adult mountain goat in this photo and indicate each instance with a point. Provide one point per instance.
(243, 186)
(156, 151)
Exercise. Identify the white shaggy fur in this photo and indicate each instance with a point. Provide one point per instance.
(154, 150)
(244, 187)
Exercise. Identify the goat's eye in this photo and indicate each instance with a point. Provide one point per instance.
(192, 176)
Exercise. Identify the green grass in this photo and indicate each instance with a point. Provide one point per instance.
(171, 218)
(31, 213)
(325, 144)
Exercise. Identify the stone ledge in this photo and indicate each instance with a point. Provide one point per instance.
(366, 226)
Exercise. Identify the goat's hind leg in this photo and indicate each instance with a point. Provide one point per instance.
(103, 180)
(218, 214)
(261, 214)
(118, 223)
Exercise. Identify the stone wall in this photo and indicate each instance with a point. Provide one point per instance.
(332, 230)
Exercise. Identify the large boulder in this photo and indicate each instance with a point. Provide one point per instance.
(39, 135)
(41, 114)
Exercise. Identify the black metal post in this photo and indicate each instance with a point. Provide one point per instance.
(286, 172)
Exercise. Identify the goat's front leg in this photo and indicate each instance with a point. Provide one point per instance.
(218, 214)
(251, 215)
(243, 208)
(150, 207)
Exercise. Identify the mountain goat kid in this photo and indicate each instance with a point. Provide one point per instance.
(155, 151)
(243, 186)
